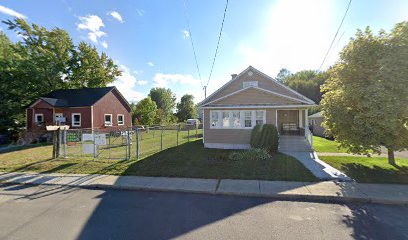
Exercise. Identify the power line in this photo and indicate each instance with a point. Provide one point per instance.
(191, 40)
(216, 49)
(341, 23)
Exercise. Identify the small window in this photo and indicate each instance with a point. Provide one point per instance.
(121, 119)
(214, 119)
(260, 117)
(247, 119)
(225, 119)
(76, 119)
(39, 118)
(236, 119)
(250, 84)
(108, 119)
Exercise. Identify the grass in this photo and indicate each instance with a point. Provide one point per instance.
(190, 159)
(324, 145)
(370, 169)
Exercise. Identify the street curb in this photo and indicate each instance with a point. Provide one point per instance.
(281, 197)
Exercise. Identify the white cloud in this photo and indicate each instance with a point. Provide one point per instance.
(11, 12)
(116, 15)
(295, 36)
(126, 84)
(104, 44)
(150, 64)
(186, 34)
(162, 80)
(140, 12)
(92, 23)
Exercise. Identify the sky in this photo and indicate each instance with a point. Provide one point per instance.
(151, 43)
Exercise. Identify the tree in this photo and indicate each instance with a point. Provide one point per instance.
(89, 69)
(165, 101)
(365, 102)
(283, 75)
(186, 108)
(308, 83)
(145, 111)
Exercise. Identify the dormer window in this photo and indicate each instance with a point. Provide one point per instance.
(250, 84)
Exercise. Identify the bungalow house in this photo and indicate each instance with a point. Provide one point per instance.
(80, 108)
(251, 98)
(315, 123)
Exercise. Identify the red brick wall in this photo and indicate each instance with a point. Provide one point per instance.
(111, 103)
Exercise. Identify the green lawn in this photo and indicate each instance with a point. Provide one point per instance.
(189, 159)
(324, 145)
(370, 170)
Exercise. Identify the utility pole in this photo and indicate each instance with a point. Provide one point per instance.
(205, 92)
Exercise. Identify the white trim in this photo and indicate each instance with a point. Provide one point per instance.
(203, 120)
(260, 106)
(300, 118)
(306, 120)
(276, 118)
(92, 117)
(72, 120)
(111, 120)
(227, 146)
(123, 119)
(263, 74)
(35, 118)
(256, 88)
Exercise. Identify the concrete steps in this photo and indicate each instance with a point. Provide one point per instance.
(294, 144)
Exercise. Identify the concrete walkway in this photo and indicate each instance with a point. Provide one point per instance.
(298, 147)
(331, 191)
(403, 154)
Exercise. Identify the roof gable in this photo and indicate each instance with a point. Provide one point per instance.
(264, 82)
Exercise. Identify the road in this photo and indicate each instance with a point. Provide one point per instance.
(38, 212)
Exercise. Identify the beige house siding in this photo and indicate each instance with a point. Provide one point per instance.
(232, 136)
(263, 82)
(317, 129)
(251, 96)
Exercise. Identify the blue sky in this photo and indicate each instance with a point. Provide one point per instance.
(148, 39)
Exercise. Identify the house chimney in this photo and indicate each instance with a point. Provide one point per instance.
(233, 76)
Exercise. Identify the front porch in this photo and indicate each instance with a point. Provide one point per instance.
(292, 122)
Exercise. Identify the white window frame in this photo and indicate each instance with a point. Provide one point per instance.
(247, 84)
(123, 119)
(263, 116)
(111, 120)
(231, 118)
(73, 123)
(35, 118)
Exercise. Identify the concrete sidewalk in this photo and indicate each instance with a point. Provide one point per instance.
(331, 191)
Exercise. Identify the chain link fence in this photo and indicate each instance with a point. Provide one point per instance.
(123, 143)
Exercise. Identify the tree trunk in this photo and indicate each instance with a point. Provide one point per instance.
(391, 159)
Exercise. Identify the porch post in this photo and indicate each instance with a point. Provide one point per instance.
(300, 118)
(306, 119)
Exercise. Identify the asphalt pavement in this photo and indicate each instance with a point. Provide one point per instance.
(55, 212)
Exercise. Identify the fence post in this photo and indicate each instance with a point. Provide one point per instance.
(188, 133)
(94, 143)
(54, 144)
(128, 144)
(137, 143)
(65, 143)
(178, 130)
(161, 138)
(196, 130)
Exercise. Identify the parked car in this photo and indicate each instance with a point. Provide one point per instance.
(192, 121)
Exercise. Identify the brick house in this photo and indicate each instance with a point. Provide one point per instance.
(80, 108)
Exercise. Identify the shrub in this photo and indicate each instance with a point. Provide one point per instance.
(266, 137)
(251, 154)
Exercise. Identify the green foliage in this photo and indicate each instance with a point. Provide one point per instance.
(43, 61)
(283, 75)
(145, 111)
(265, 136)
(252, 154)
(165, 101)
(365, 101)
(308, 83)
(186, 108)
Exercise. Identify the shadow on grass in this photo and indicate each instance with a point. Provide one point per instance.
(376, 174)
(192, 160)
(59, 168)
(18, 148)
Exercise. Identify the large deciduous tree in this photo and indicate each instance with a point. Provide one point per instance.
(145, 111)
(165, 101)
(186, 108)
(365, 101)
